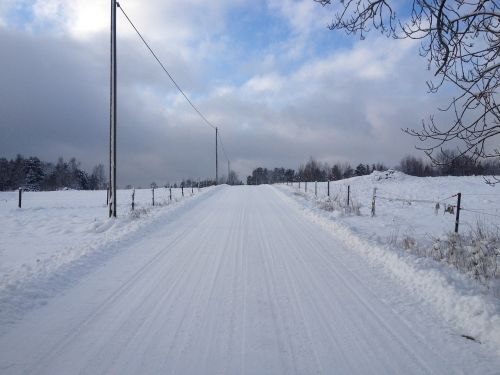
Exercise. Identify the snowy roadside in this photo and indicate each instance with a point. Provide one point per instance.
(464, 303)
(53, 243)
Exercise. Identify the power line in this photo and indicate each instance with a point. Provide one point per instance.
(165, 69)
(222, 146)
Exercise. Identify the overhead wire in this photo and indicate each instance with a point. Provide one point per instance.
(172, 79)
(165, 69)
(222, 146)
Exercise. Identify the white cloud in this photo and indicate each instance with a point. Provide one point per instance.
(368, 59)
(173, 20)
(303, 16)
(264, 83)
(277, 109)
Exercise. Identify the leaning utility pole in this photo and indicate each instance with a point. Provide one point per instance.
(216, 157)
(112, 117)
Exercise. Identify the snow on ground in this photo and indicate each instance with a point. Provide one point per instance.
(399, 218)
(468, 305)
(57, 229)
(238, 281)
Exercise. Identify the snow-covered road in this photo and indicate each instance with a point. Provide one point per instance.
(240, 283)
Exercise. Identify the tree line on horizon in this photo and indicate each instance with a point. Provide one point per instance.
(447, 163)
(35, 175)
(32, 174)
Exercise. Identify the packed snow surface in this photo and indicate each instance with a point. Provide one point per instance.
(233, 280)
(55, 228)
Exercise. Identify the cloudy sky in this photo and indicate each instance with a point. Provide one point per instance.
(280, 86)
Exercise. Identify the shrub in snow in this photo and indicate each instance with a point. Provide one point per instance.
(300, 194)
(476, 253)
(138, 212)
(337, 203)
(389, 174)
(409, 243)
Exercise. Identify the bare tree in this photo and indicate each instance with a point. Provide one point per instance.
(461, 41)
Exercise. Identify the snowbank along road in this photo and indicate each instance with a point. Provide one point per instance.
(240, 283)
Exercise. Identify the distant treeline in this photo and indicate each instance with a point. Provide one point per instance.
(185, 183)
(36, 175)
(447, 163)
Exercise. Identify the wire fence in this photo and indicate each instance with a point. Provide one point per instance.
(411, 222)
(129, 199)
(453, 204)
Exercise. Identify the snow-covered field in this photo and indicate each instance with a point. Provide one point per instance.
(242, 279)
(406, 206)
(59, 226)
(417, 214)
(58, 229)
(402, 236)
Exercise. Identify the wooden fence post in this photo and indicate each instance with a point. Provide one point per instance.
(133, 199)
(328, 188)
(457, 218)
(170, 194)
(348, 195)
(182, 189)
(153, 199)
(316, 189)
(20, 197)
(373, 201)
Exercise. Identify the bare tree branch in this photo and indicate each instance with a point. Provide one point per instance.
(461, 41)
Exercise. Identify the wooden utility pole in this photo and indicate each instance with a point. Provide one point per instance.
(216, 157)
(112, 116)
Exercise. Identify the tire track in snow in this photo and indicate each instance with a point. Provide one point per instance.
(292, 321)
(244, 284)
(72, 335)
(332, 263)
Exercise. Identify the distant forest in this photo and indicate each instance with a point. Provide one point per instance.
(448, 163)
(36, 175)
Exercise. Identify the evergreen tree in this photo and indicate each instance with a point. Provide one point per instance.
(360, 170)
(34, 174)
